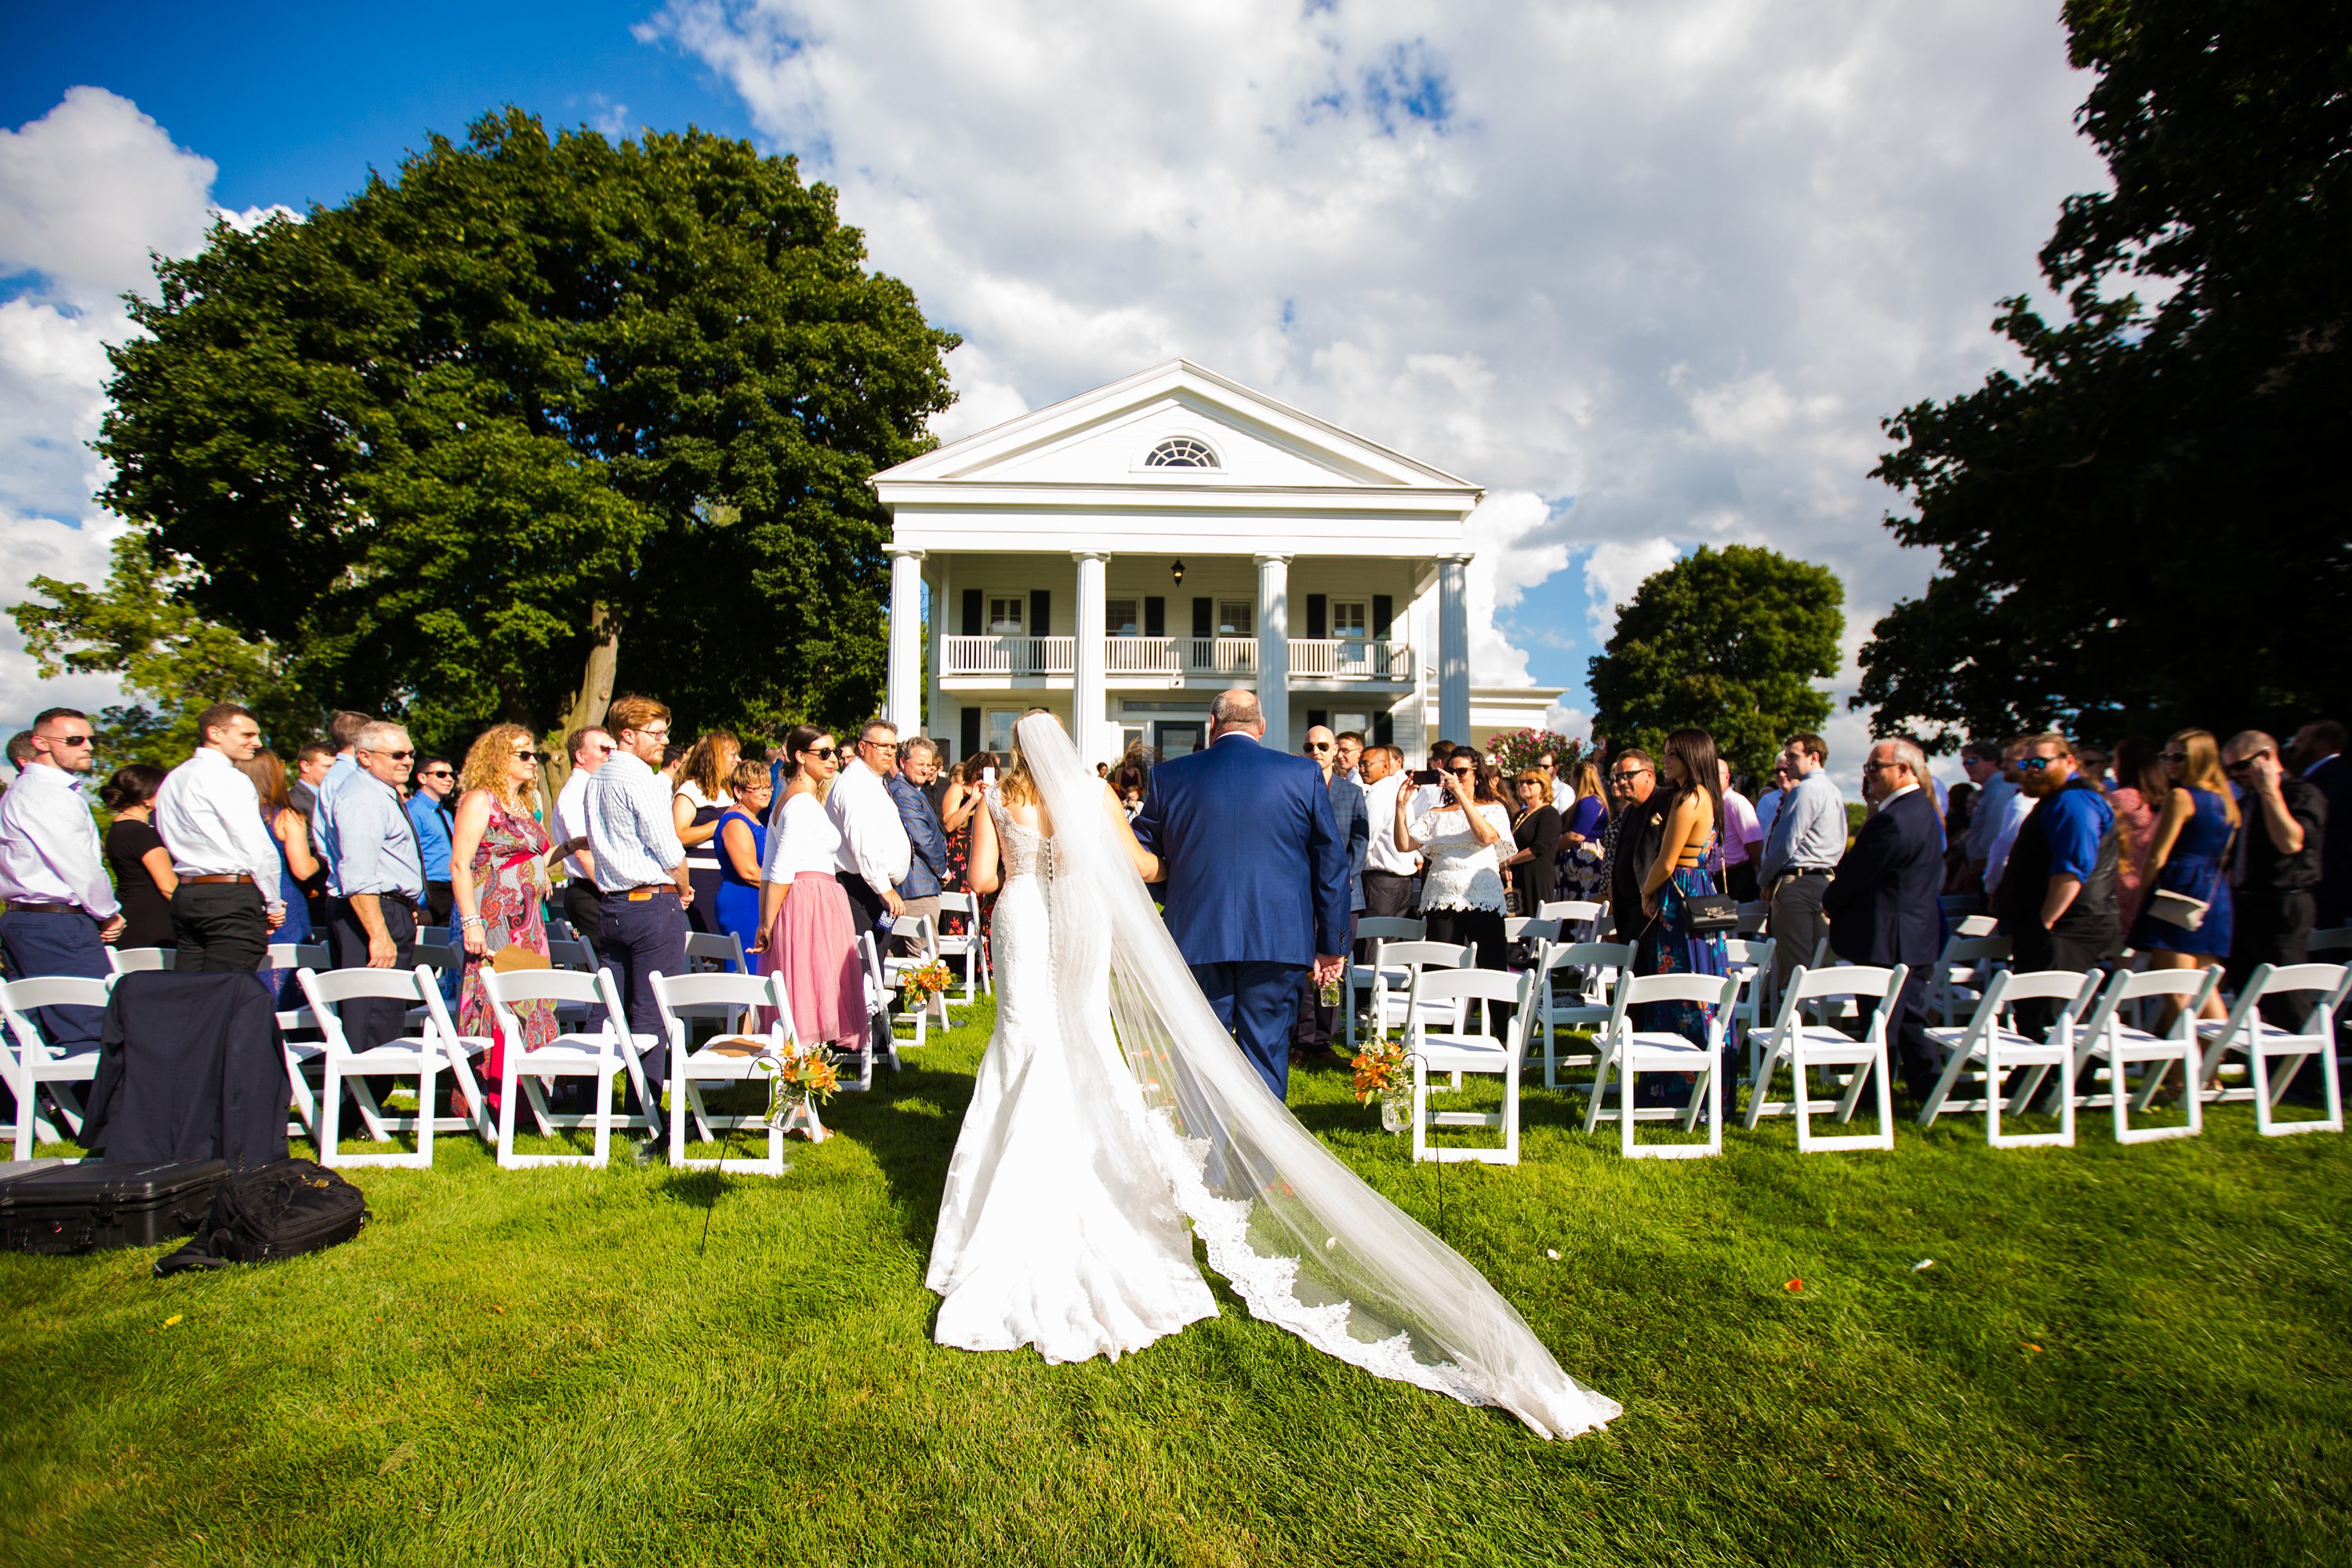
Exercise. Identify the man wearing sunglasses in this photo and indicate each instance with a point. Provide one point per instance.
(380, 866)
(589, 748)
(61, 908)
(2277, 866)
(435, 822)
(2056, 899)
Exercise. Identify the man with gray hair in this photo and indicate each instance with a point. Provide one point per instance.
(380, 871)
(927, 841)
(875, 852)
(1883, 904)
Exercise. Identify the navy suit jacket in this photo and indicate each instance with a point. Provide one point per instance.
(1256, 871)
(1886, 906)
(1354, 825)
(927, 858)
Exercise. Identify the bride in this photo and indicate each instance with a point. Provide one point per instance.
(1111, 1108)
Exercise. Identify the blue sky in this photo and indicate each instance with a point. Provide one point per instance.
(1651, 274)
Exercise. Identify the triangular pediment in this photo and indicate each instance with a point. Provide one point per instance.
(1109, 436)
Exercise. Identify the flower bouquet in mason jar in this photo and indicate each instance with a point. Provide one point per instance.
(1382, 1074)
(803, 1078)
(927, 988)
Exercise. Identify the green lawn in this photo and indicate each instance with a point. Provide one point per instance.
(2120, 1355)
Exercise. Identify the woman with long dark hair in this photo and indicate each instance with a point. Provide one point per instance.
(2196, 830)
(1462, 839)
(143, 878)
(2141, 788)
(290, 831)
(806, 932)
(703, 796)
(1688, 865)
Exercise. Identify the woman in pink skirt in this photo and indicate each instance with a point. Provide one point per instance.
(806, 934)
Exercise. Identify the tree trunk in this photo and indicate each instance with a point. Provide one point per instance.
(587, 704)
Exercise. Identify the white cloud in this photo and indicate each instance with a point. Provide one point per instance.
(1510, 560)
(89, 189)
(1614, 570)
(1573, 722)
(1670, 263)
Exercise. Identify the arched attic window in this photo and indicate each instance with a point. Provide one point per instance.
(1181, 452)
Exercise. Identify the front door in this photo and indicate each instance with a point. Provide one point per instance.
(1178, 737)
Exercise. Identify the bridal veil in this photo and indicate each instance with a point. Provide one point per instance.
(1301, 1238)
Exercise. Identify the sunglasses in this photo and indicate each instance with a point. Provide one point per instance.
(520, 756)
(1318, 745)
(2172, 756)
(2035, 765)
(2243, 764)
(1628, 775)
(395, 756)
(827, 753)
(442, 773)
(71, 740)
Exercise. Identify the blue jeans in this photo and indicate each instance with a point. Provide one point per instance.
(1259, 1002)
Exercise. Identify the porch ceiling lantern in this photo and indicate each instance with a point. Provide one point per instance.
(1177, 572)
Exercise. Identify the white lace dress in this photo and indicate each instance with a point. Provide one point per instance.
(1058, 1227)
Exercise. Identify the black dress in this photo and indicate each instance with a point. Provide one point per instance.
(1537, 830)
(146, 913)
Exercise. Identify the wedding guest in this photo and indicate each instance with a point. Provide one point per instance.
(1768, 805)
(1743, 842)
(343, 728)
(1351, 755)
(231, 893)
(1809, 835)
(673, 764)
(380, 871)
(919, 890)
(2317, 755)
(589, 748)
(2139, 790)
(643, 888)
(1461, 894)
(1318, 1024)
(20, 749)
(1637, 827)
(807, 932)
(497, 863)
(1389, 890)
(956, 809)
(143, 878)
(1582, 830)
(1959, 812)
(2057, 901)
(743, 847)
(430, 810)
(297, 866)
(1690, 836)
(875, 849)
(1984, 763)
(2188, 853)
(2013, 808)
(1534, 860)
(2276, 876)
(62, 912)
(701, 800)
(1883, 905)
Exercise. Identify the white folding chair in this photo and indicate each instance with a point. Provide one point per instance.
(2265, 1045)
(1400, 963)
(1458, 1050)
(1976, 925)
(297, 1034)
(1991, 1045)
(879, 994)
(2106, 1040)
(1592, 968)
(1629, 1051)
(1372, 932)
(1955, 984)
(923, 932)
(1753, 918)
(445, 958)
(437, 935)
(732, 999)
(962, 949)
(1578, 918)
(422, 1055)
(139, 959)
(721, 952)
(597, 1054)
(1750, 959)
(1809, 1048)
(34, 1066)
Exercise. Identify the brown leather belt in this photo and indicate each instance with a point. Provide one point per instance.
(45, 906)
(216, 880)
(639, 895)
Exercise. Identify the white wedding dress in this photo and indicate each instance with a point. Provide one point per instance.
(1111, 1108)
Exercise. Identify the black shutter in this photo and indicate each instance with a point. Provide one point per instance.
(1383, 612)
(1318, 716)
(1155, 618)
(1318, 618)
(1383, 728)
(1204, 617)
(1041, 613)
(970, 733)
(972, 624)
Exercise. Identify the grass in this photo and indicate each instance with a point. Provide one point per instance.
(2120, 1356)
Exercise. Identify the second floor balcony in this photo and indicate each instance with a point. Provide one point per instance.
(1175, 661)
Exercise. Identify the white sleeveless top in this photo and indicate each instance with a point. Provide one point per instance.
(801, 838)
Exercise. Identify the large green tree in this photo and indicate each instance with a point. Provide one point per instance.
(1730, 640)
(2146, 527)
(533, 408)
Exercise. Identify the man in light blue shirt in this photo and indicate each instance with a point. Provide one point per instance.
(380, 867)
(344, 729)
(429, 813)
(1808, 838)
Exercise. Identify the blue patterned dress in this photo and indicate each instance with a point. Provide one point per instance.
(1668, 947)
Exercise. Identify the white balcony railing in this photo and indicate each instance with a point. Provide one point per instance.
(1176, 658)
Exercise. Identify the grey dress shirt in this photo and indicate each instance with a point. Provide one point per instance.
(1809, 831)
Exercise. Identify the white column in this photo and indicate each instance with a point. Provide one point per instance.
(1274, 648)
(1088, 685)
(1453, 650)
(904, 705)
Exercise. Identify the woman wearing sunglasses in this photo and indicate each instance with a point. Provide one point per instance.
(497, 879)
(2189, 855)
(806, 933)
(1462, 839)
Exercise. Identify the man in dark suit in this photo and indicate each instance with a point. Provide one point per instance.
(2317, 753)
(2276, 879)
(1641, 813)
(1884, 901)
(1318, 1024)
(1257, 877)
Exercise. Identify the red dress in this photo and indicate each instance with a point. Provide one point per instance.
(507, 892)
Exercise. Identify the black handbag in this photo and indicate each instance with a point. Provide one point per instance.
(1711, 914)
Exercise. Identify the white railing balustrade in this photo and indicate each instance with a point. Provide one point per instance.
(1349, 658)
(1010, 656)
(1176, 658)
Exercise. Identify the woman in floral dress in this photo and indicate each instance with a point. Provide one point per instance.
(1688, 865)
(498, 873)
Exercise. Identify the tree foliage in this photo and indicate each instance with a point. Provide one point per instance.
(163, 652)
(1729, 640)
(2146, 528)
(1516, 751)
(440, 440)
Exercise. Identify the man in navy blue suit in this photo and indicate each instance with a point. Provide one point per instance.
(1256, 877)
(1883, 901)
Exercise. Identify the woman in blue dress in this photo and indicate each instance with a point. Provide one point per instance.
(743, 838)
(1688, 865)
(290, 831)
(2189, 855)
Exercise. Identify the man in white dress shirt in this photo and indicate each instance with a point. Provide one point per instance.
(61, 909)
(642, 887)
(1389, 872)
(229, 897)
(874, 848)
(589, 748)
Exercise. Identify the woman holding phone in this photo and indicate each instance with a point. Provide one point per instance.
(1462, 839)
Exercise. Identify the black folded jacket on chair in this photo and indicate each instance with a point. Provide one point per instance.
(189, 1069)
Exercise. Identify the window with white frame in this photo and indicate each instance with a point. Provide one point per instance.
(1352, 619)
(1005, 612)
(1236, 619)
(1182, 452)
(996, 733)
(1121, 617)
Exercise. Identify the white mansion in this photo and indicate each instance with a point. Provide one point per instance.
(1121, 557)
